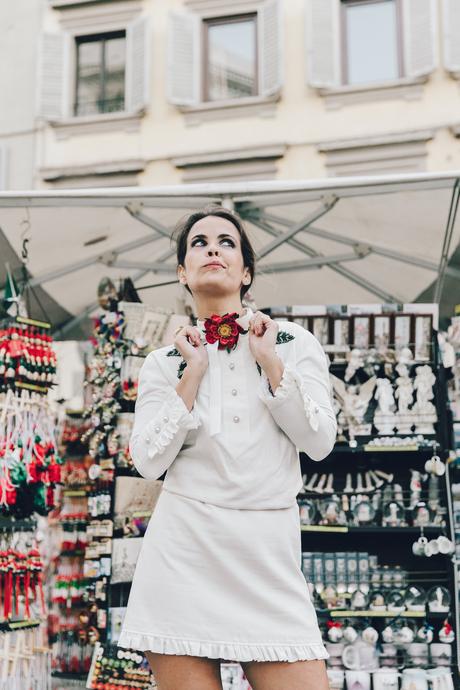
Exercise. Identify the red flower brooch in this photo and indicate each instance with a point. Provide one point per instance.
(225, 329)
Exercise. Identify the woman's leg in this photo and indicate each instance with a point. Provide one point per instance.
(286, 675)
(182, 672)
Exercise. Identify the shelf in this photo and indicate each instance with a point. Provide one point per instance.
(350, 613)
(371, 529)
(9, 626)
(366, 448)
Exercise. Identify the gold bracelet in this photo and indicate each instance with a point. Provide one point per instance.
(179, 328)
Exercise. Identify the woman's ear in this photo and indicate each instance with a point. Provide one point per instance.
(246, 277)
(181, 275)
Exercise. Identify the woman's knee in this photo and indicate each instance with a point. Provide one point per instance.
(172, 671)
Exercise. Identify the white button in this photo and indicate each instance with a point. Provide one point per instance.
(236, 418)
(232, 365)
(234, 391)
(166, 419)
(316, 408)
(157, 429)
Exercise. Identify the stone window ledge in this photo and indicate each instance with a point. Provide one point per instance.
(406, 89)
(234, 108)
(96, 124)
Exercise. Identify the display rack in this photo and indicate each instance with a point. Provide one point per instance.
(380, 560)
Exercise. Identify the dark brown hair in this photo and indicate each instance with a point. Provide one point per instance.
(184, 226)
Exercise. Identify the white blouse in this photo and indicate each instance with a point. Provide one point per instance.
(238, 447)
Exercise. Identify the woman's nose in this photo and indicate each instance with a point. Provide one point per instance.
(213, 251)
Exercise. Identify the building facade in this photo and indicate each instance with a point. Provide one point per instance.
(152, 92)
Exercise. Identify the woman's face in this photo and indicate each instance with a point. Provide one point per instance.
(213, 264)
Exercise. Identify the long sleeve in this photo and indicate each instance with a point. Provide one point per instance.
(161, 422)
(302, 405)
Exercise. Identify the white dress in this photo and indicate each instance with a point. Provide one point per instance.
(219, 572)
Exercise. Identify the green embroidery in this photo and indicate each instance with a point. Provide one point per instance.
(180, 371)
(173, 353)
(283, 337)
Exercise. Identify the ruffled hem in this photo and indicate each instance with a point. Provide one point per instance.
(221, 650)
(291, 379)
(159, 434)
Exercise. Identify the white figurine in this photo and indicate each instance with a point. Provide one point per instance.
(384, 417)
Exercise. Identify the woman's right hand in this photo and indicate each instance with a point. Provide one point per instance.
(189, 344)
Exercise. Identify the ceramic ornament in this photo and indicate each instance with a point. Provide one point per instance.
(446, 633)
(348, 485)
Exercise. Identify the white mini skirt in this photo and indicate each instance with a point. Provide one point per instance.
(222, 583)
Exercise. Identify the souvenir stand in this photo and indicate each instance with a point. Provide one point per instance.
(375, 515)
(30, 472)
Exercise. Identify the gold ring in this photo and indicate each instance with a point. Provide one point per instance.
(179, 328)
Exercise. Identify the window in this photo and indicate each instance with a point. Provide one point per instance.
(100, 76)
(230, 58)
(372, 43)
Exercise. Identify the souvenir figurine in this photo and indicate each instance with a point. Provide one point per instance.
(423, 407)
(384, 416)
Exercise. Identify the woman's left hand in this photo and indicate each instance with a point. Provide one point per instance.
(262, 337)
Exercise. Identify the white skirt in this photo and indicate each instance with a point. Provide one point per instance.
(221, 583)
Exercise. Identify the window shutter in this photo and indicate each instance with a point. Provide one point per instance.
(270, 28)
(419, 24)
(451, 15)
(323, 43)
(3, 173)
(184, 58)
(53, 64)
(137, 65)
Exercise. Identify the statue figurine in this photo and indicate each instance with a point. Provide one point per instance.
(384, 417)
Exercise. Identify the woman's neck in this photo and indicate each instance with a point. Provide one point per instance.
(207, 307)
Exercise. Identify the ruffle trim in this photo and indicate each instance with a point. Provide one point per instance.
(221, 650)
(173, 416)
(289, 381)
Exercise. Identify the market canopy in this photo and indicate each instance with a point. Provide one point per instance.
(391, 238)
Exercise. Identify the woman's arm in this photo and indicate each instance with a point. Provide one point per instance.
(300, 396)
(162, 418)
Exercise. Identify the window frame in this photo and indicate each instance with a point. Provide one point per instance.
(344, 76)
(102, 37)
(205, 23)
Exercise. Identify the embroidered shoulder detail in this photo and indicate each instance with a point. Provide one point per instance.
(173, 353)
(283, 337)
(182, 366)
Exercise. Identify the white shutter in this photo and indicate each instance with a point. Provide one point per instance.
(419, 25)
(270, 29)
(323, 43)
(3, 154)
(53, 75)
(137, 65)
(451, 24)
(184, 58)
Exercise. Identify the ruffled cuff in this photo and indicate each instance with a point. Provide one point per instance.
(174, 416)
(290, 384)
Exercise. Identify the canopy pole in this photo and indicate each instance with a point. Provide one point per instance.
(447, 241)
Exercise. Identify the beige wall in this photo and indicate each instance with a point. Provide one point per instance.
(299, 133)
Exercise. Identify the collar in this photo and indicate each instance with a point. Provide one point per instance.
(243, 319)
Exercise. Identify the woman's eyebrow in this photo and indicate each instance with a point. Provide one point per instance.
(203, 236)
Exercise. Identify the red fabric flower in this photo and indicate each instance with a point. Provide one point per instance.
(225, 329)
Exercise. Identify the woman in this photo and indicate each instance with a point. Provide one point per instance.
(225, 410)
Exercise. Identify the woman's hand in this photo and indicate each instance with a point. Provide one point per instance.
(189, 344)
(262, 340)
(262, 337)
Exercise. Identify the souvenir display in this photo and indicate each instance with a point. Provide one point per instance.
(383, 487)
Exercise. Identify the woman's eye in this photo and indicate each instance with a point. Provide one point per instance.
(231, 242)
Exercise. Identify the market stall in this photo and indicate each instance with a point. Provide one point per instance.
(376, 517)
